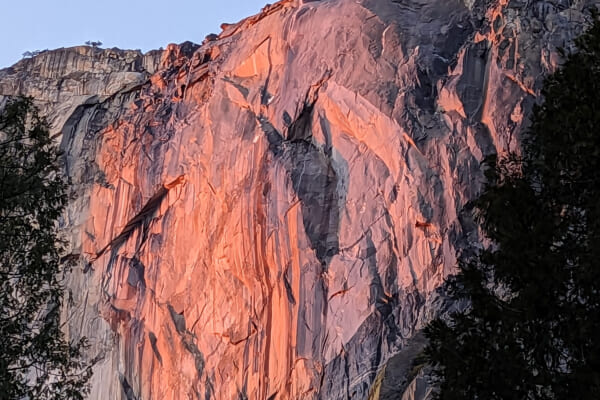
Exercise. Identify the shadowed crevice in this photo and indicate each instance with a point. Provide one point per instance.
(127, 389)
(314, 180)
(141, 217)
(187, 339)
(153, 340)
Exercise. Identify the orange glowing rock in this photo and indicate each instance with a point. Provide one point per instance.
(269, 215)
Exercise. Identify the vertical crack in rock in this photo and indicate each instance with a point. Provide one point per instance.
(208, 389)
(288, 287)
(265, 96)
(187, 339)
(153, 339)
(127, 389)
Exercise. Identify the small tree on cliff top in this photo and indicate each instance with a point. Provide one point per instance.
(36, 362)
(532, 330)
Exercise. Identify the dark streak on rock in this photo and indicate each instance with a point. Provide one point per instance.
(178, 320)
(208, 389)
(143, 216)
(313, 178)
(288, 287)
(273, 396)
(136, 273)
(191, 347)
(153, 339)
(187, 338)
(127, 389)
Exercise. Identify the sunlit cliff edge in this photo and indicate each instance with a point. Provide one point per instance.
(270, 215)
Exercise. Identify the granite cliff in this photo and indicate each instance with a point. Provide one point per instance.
(271, 214)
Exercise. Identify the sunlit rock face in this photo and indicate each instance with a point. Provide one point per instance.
(269, 215)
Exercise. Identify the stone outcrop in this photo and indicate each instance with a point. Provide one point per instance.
(270, 215)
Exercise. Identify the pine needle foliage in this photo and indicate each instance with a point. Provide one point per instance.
(532, 330)
(36, 361)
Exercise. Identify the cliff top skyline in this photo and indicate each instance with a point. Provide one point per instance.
(135, 24)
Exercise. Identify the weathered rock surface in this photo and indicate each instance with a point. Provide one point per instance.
(269, 215)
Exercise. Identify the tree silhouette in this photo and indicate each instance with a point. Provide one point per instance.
(532, 330)
(94, 43)
(36, 361)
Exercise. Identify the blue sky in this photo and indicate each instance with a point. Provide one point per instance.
(27, 25)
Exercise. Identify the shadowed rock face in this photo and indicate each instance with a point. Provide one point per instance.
(270, 215)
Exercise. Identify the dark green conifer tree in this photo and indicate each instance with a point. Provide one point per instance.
(36, 361)
(532, 330)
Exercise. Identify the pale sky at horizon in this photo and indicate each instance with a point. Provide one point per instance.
(29, 25)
